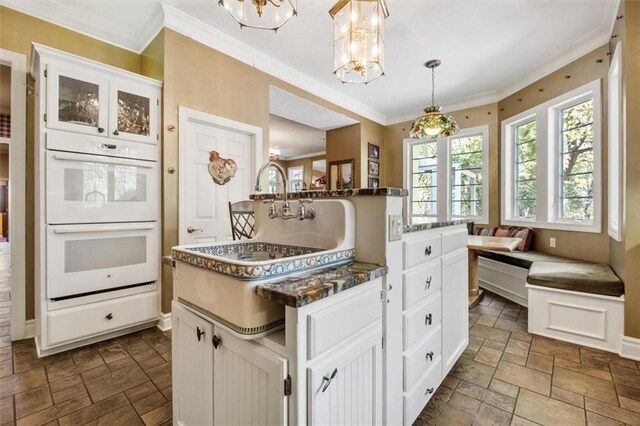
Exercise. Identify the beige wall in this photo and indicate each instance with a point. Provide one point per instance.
(345, 144)
(372, 133)
(4, 166)
(17, 31)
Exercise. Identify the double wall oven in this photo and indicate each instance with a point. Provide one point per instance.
(101, 213)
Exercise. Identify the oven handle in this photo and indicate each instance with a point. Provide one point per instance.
(107, 160)
(82, 229)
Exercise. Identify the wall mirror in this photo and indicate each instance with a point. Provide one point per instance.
(342, 174)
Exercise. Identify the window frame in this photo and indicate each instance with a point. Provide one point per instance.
(443, 161)
(615, 142)
(548, 145)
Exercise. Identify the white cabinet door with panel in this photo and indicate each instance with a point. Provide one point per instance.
(249, 383)
(133, 112)
(455, 312)
(192, 368)
(346, 386)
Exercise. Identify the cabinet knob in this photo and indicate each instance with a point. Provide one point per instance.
(427, 251)
(427, 319)
(100, 129)
(116, 132)
(430, 356)
(327, 380)
(215, 340)
(199, 333)
(109, 316)
(430, 391)
(427, 284)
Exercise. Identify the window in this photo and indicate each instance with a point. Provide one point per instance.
(446, 176)
(551, 168)
(273, 181)
(296, 178)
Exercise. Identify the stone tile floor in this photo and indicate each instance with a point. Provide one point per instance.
(509, 377)
(506, 376)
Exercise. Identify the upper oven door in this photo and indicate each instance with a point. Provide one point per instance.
(98, 189)
(87, 258)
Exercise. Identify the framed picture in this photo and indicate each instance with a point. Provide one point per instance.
(374, 182)
(342, 174)
(374, 151)
(374, 168)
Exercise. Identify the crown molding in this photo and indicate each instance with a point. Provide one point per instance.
(189, 26)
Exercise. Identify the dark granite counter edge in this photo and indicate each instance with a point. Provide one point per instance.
(431, 225)
(301, 290)
(360, 192)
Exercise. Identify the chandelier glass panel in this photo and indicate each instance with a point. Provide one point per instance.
(358, 40)
(262, 14)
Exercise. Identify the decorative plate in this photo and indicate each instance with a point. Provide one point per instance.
(221, 169)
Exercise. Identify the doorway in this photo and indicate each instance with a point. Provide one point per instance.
(13, 91)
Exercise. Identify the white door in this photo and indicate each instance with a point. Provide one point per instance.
(193, 360)
(346, 388)
(206, 208)
(248, 383)
(455, 310)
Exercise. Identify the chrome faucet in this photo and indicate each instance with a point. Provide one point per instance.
(285, 210)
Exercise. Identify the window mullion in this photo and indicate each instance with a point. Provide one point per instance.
(444, 194)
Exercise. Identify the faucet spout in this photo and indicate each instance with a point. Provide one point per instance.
(283, 176)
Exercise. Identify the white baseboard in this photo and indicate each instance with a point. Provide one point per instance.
(164, 322)
(29, 329)
(630, 348)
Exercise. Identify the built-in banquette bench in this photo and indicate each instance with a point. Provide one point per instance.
(571, 300)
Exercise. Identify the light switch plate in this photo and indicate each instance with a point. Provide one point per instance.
(552, 242)
(395, 228)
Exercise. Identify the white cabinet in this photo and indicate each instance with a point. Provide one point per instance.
(132, 108)
(345, 387)
(220, 379)
(455, 312)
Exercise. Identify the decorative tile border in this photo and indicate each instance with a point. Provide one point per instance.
(339, 193)
(259, 270)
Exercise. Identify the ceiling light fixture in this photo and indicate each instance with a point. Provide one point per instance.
(358, 42)
(433, 124)
(274, 153)
(261, 14)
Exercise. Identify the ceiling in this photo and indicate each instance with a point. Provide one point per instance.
(294, 139)
(489, 49)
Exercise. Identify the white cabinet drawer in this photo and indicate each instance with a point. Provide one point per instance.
(416, 399)
(330, 326)
(454, 240)
(422, 356)
(421, 319)
(420, 282)
(79, 322)
(421, 249)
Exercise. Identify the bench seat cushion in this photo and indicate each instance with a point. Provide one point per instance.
(576, 276)
(521, 259)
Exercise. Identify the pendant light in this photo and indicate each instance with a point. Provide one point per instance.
(261, 14)
(433, 124)
(358, 42)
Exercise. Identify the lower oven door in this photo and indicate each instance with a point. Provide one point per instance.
(88, 258)
(85, 188)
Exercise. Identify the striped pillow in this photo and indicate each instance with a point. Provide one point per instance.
(485, 232)
(526, 234)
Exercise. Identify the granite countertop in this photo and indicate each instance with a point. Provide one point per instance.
(338, 193)
(302, 289)
(431, 225)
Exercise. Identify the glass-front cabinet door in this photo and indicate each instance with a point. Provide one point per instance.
(133, 112)
(76, 101)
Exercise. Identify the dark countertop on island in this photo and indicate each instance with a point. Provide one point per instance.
(305, 288)
(431, 225)
(338, 193)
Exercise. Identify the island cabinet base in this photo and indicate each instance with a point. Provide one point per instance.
(325, 367)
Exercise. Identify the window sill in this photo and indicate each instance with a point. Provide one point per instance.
(558, 226)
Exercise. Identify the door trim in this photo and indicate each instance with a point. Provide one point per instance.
(186, 115)
(17, 189)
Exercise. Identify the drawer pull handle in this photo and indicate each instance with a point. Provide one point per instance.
(427, 251)
(430, 356)
(199, 333)
(109, 146)
(109, 316)
(327, 380)
(215, 340)
(430, 391)
(427, 319)
(427, 284)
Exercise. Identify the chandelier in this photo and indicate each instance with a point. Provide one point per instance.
(274, 153)
(358, 43)
(433, 124)
(262, 14)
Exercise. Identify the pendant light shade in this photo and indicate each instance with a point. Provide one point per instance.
(433, 124)
(261, 14)
(358, 40)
